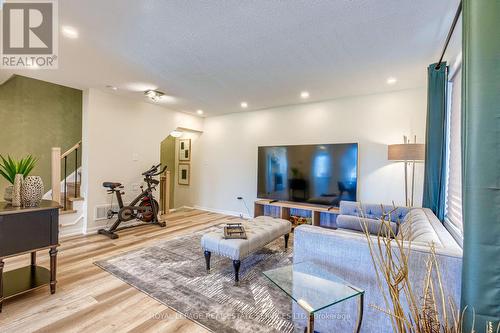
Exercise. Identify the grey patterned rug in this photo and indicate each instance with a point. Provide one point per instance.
(173, 272)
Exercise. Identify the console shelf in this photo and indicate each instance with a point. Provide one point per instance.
(285, 207)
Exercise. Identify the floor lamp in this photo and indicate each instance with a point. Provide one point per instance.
(409, 153)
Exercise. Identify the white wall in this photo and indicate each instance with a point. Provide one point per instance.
(121, 139)
(226, 166)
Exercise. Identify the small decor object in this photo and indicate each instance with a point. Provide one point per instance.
(184, 173)
(234, 231)
(9, 168)
(32, 191)
(185, 150)
(7, 196)
(16, 191)
(299, 220)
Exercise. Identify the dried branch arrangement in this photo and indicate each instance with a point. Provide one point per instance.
(410, 313)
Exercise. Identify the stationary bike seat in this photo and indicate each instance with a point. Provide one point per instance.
(111, 185)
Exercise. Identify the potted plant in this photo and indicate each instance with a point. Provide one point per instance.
(9, 168)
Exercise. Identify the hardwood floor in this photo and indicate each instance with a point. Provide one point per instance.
(89, 299)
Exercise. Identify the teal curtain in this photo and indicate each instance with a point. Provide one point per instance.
(481, 162)
(435, 140)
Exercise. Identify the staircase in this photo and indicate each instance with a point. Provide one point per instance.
(66, 182)
(69, 197)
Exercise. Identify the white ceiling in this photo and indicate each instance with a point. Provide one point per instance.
(212, 55)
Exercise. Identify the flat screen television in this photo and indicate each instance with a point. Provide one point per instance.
(321, 174)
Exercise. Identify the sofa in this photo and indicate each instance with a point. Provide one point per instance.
(345, 252)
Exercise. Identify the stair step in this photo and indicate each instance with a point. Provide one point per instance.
(69, 211)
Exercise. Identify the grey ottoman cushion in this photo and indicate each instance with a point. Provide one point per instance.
(260, 231)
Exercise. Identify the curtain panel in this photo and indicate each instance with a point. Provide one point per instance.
(481, 163)
(435, 140)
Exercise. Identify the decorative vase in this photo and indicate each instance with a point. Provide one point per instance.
(16, 192)
(32, 191)
(7, 195)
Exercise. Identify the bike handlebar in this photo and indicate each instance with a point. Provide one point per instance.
(162, 171)
(152, 171)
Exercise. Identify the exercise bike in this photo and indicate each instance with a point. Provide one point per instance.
(143, 208)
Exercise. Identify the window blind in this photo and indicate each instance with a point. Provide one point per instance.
(453, 212)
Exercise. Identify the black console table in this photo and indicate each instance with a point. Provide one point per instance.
(28, 230)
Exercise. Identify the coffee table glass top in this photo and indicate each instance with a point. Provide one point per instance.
(312, 286)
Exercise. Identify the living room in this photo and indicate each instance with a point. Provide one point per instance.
(248, 166)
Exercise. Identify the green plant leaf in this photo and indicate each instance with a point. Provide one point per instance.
(9, 167)
(6, 176)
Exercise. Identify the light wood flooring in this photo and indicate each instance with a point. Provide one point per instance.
(89, 299)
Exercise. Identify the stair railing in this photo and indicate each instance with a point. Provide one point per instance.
(56, 160)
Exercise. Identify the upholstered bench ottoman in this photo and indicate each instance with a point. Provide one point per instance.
(260, 231)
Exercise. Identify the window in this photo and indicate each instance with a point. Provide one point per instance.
(453, 211)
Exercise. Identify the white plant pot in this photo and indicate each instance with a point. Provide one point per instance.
(16, 192)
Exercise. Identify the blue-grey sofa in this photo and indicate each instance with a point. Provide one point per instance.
(345, 252)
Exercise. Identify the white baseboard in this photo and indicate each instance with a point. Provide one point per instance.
(221, 211)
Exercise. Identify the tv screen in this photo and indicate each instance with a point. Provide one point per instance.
(315, 174)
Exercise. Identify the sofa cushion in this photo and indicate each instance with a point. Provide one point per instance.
(357, 223)
(372, 211)
(417, 228)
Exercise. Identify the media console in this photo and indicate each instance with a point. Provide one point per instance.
(282, 209)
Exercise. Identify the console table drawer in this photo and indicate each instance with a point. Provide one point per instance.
(31, 230)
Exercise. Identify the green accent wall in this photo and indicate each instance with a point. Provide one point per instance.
(36, 116)
(167, 157)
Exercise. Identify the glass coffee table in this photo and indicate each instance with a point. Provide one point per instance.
(315, 288)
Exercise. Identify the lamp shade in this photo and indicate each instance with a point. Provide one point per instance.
(406, 152)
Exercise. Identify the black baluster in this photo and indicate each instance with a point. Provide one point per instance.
(76, 173)
(65, 184)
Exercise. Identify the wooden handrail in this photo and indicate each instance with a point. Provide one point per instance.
(72, 149)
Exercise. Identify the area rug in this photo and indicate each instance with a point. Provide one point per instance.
(173, 272)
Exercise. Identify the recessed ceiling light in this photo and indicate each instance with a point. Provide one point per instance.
(111, 87)
(199, 111)
(69, 32)
(176, 134)
(304, 94)
(244, 105)
(391, 80)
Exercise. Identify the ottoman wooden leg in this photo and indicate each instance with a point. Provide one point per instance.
(286, 241)
(236, 266)
(207, 260)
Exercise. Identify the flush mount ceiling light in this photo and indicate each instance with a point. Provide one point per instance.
(244, 105)
(69, 32)
(304, 94)
(154, 95)
(176, 134)
(391, 80)
(200, 112)
(111, 87)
